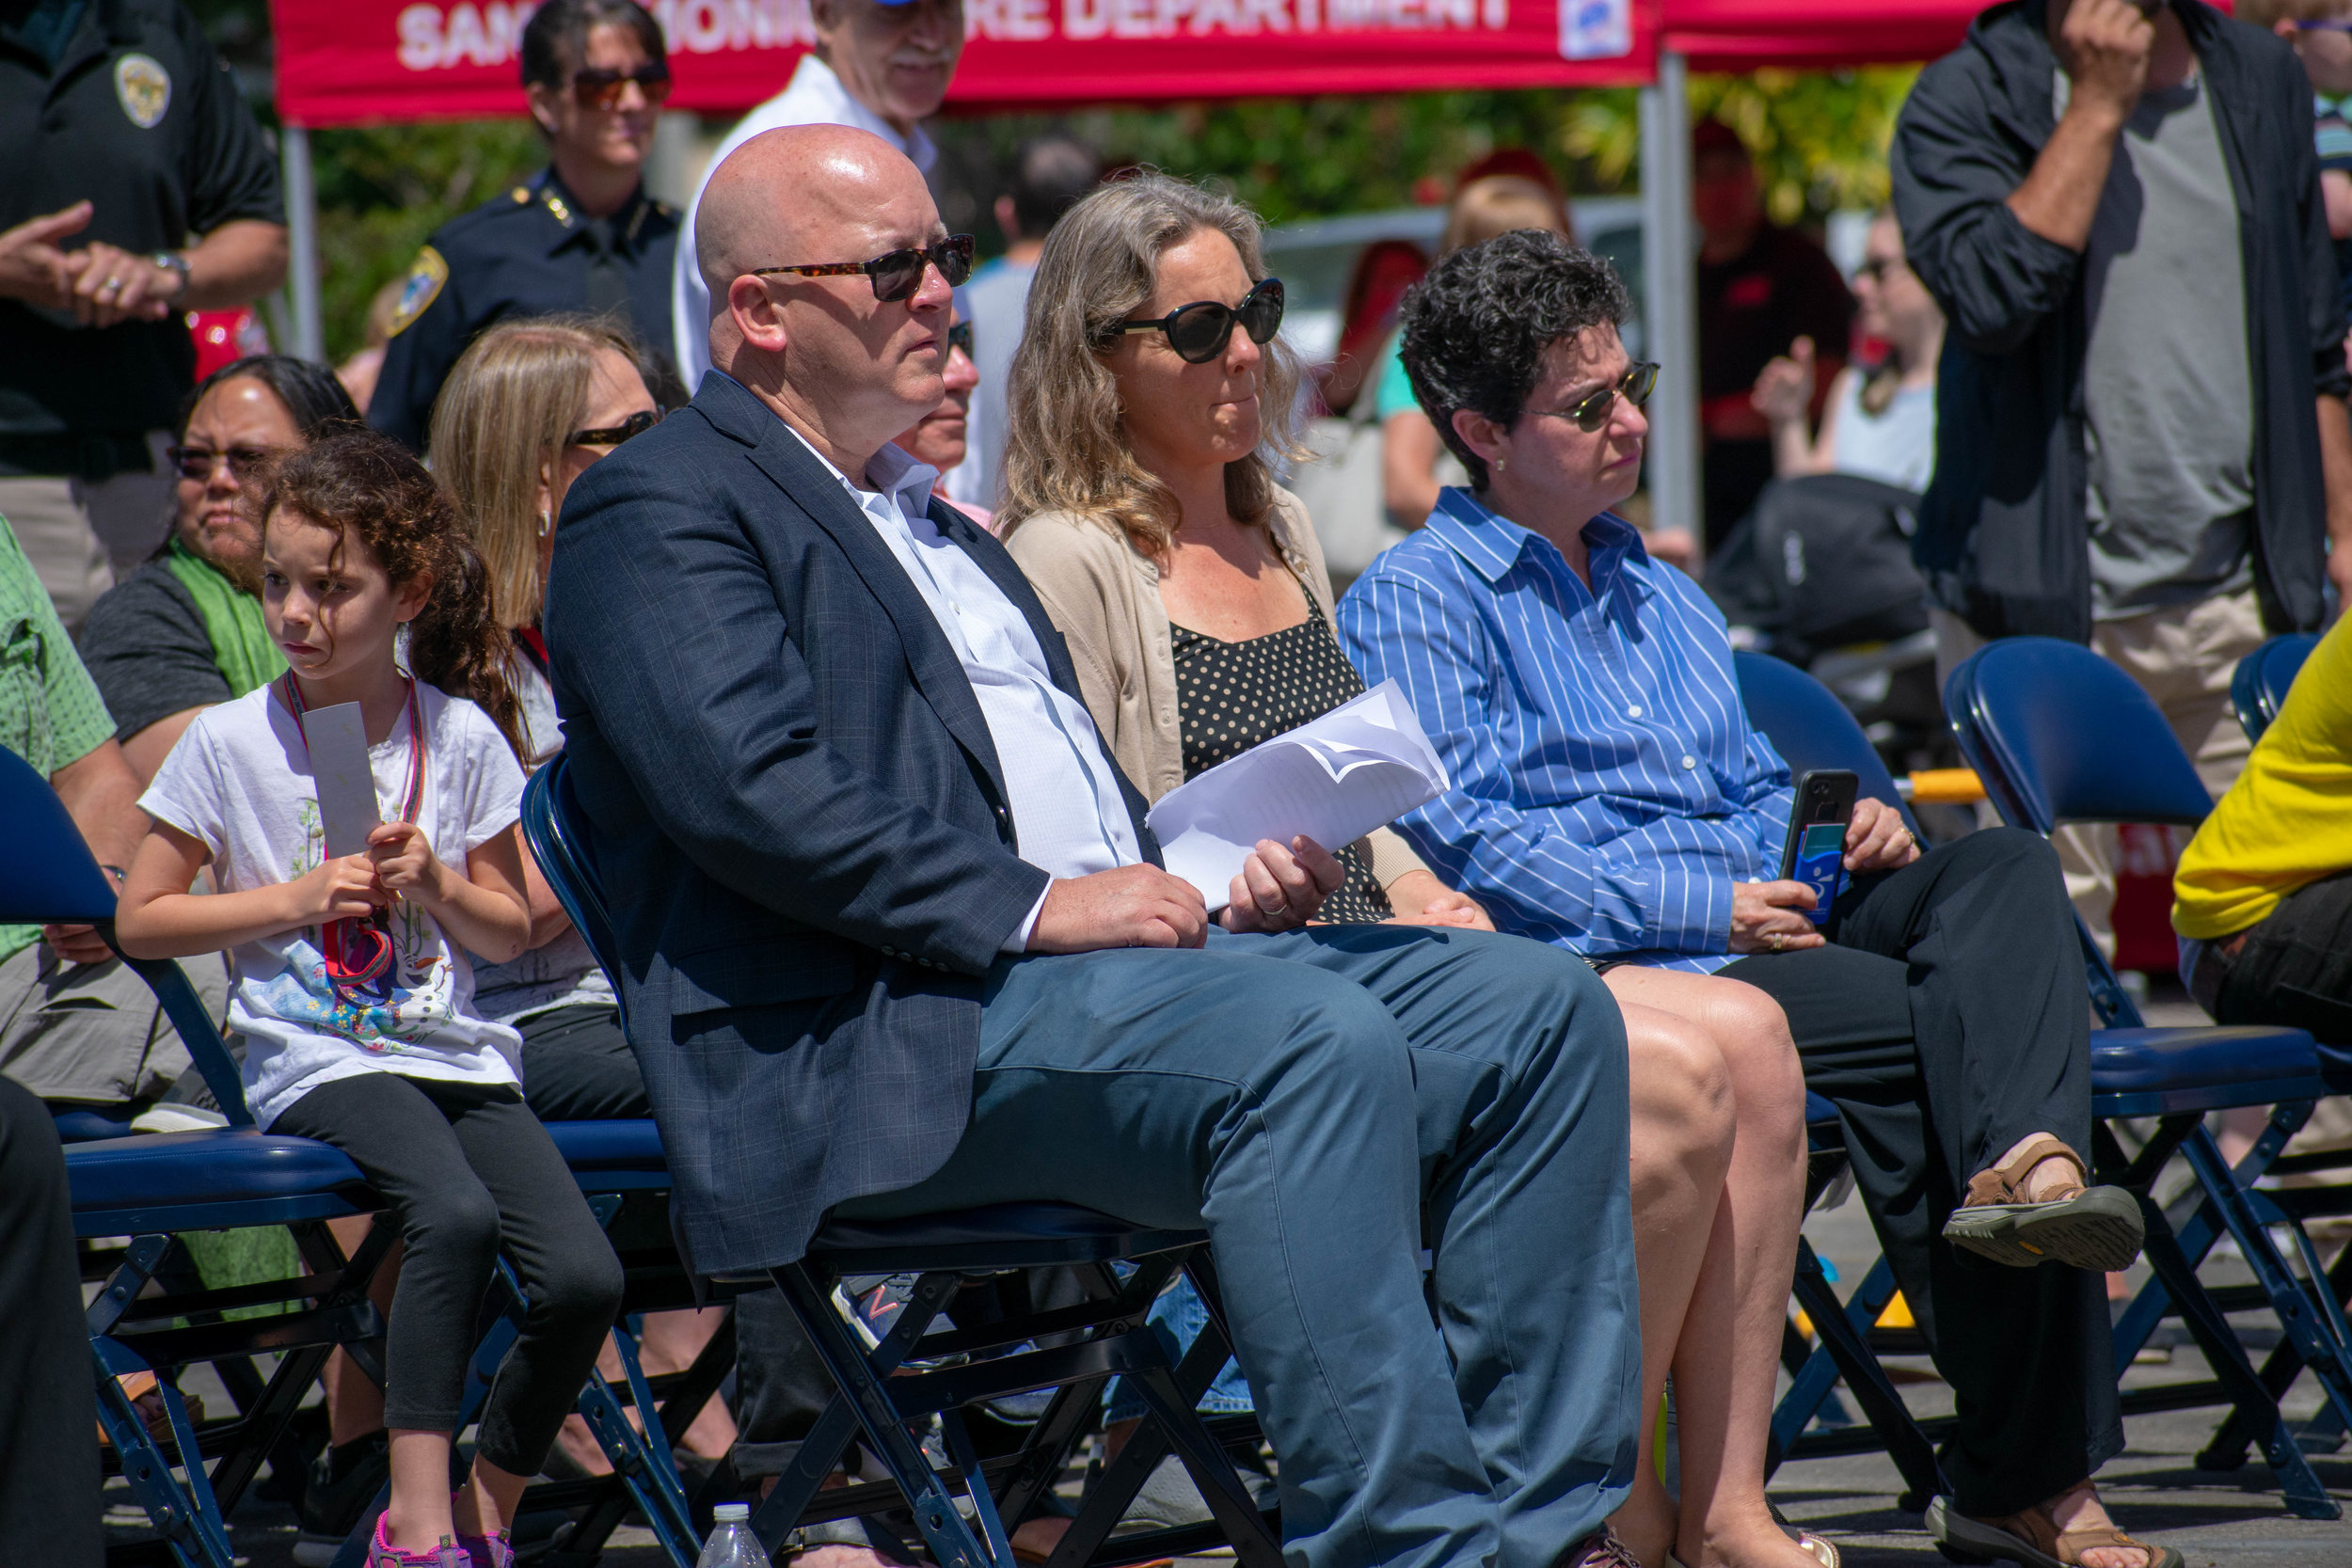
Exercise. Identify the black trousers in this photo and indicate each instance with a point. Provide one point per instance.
(2295, 968)
(1948, 1019)
(48, 1507)
(577, 1066)
(470, 1172)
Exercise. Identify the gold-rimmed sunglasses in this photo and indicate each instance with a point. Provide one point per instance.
(1591, 413)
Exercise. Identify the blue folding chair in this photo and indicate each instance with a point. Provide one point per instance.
(914, 1377)
(2258, 687)
(2059, 735)
(151, 1314)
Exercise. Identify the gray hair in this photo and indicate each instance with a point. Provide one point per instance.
(1065, 450)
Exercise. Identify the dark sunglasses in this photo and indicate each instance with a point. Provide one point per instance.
(196, 463)
(613, 436)
(1200, 331)
(1877, 269)
(600, 87)
(1591, 413)
(959, 337)
(898, 275)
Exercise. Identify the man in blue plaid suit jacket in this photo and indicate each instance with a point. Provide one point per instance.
(895, 938)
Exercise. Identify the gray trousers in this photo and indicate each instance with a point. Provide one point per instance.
(93, 1034)
(1307, 1097)
(83, 535)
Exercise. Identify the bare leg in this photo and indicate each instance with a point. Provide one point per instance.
(418, 1518)
(488, 1503)
(1730, 1344)
(672, 1342)
(1682, 1147)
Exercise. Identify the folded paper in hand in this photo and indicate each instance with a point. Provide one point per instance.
(1359, 767)
(337, 738)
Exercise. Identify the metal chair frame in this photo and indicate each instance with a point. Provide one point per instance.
(2310, 1319)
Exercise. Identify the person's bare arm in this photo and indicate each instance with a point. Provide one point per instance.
(159, 918)
(102, 798)
(2335, 465)
(145, 751)
(547, 919)
(2104, 47)
(234, 264)
(2335, 190)
(1408, 463)
(485, 908)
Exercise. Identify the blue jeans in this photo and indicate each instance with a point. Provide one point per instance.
(1307, 1097)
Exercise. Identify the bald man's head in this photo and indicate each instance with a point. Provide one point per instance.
(790, 191)
(846, 367)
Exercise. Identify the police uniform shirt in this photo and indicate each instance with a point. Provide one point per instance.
(529, 252)
(124, 104)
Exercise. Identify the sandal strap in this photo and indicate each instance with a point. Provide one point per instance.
(2074, 1543)
(2004, 1182)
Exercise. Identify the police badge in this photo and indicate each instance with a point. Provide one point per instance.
(422, 286)
(143, 88)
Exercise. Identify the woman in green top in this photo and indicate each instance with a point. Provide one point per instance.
(184, 630)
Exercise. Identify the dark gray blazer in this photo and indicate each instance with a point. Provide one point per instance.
(797, 813)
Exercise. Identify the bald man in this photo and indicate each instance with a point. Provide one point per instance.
(896, 938)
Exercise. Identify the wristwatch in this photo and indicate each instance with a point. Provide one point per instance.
(174, 262)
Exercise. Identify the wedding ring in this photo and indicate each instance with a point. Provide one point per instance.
(113, 284)
(1773, 941)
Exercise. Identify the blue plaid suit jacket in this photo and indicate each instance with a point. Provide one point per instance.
(798, 815)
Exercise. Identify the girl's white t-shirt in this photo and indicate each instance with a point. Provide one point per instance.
(239, 782)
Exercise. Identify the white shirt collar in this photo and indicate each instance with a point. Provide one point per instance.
(818, 86)
(894, 471)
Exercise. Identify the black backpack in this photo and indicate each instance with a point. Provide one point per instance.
(1822, 561)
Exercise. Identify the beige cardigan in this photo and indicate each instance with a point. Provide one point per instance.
(1105, 595)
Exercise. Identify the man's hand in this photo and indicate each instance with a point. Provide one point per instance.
(2103, 46)
(1420, 899)
(1768, 917)
(32, 268)
(1278, 889)
(1876, 839)
(77, 944)
(112, 285)
(1135, 906)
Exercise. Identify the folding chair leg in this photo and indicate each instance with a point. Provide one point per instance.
(1236, 1514)
(1843, 1332)
(642, 1464)
(197, 1539)
(951, 1541)
(2256, 1408)
(2325, 1432)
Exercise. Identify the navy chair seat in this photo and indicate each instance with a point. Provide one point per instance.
(168, 1181)
(81, 1124)
(600, 1150)
(2141, 1061)
(1818, 1111)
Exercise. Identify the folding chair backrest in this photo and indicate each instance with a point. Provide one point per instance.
(2259, 689)
(49, 875)
(2059, 735)
(553, 828)
(1810, 728)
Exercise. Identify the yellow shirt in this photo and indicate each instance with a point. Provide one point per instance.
(2287, 821)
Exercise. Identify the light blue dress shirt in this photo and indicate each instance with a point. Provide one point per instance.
(1608, 791)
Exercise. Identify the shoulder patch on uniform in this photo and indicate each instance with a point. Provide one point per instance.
(144, 89)
(422, 287)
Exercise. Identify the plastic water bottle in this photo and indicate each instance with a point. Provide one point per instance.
(732, 1544)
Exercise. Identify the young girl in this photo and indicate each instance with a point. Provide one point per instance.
(353, 990)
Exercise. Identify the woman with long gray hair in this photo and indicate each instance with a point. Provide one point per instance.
(1150, 401)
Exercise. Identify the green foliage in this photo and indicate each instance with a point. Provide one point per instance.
(383, 189)
(1820, 140)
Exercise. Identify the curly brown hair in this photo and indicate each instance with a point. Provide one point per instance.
(368, 486)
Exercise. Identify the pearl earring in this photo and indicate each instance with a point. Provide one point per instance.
(1499, 465)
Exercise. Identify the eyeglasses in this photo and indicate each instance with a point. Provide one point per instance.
(959, 337)
(1200, 331)
(600, 87)
(613, 435)
(1592, 412)
(1877, 269)
(196, 463)
(898, 274)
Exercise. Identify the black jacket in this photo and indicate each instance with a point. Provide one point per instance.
(798, 812)
(2002, 538)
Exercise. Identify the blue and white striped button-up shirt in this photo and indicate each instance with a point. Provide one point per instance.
(1608, 790)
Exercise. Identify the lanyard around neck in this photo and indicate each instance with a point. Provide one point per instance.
(290, 692)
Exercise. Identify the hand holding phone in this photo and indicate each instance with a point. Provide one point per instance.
(1815, 853)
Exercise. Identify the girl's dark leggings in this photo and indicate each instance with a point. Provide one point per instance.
(470, 1172)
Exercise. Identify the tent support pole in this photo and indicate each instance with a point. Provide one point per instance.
(1669, 281)
(302, 235)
